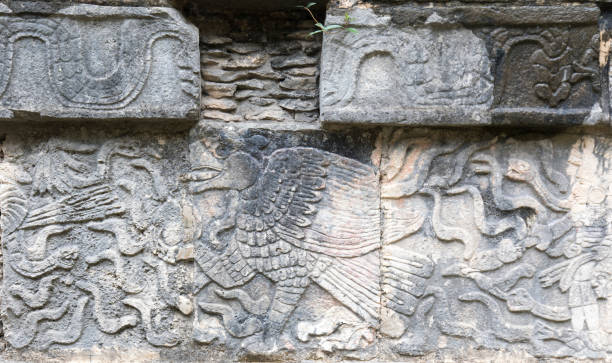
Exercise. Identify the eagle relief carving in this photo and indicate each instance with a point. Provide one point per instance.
(298, 216)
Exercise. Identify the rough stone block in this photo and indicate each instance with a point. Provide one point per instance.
(289, 259)
(463, 65)
(87, 61)
(508, 238)
(96, 242)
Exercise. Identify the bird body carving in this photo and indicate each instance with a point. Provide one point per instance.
(309, 216)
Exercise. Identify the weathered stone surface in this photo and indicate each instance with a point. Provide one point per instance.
(97, 241)
(87, 61)
(258, 235)
(243, 243)
(276, 276)
(509, 238)
(270, 63)
(223, 104)
(299, 83)
(463, 65)
(219, 90)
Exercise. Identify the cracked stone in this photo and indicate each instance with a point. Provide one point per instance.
(219, 75)
(244, 94)
(299, 105)
(246, 62)
(294, 60)
(293, 94)
(306, 71)
(299, 83)
(254, 84)
(272, 112)
(306, 116)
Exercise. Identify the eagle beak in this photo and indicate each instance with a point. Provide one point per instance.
(200, 177)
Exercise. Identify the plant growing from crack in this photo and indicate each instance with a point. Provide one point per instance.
(324, 28)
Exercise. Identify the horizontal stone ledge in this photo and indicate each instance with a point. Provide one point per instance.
(482, 15)
(97, 62)
(464, 65)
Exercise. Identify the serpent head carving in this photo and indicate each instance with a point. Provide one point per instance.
(519, 170)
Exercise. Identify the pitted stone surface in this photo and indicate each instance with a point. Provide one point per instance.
(97, 241)
(87, 61)
(276, 238)
(463, 65)
(243, 243)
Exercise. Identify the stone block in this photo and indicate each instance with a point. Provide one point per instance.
(290, 257)
(96, 242)
(463, 65)
(97, 62)
(508, 238)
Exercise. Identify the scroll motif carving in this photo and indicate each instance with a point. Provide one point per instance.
(83, 245)
(265, 245)
(564, 68)
(84, 76)
(515, 221)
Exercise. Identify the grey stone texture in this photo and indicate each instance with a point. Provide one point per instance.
(86, 61)
(259, 67)
(247, 243)
(267, 229)
(464, 65)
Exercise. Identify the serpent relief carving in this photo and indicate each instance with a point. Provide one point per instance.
(262, 244)
(515, 207)
(78, 82)
(81, 250)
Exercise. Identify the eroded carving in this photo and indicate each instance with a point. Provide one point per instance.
(82, 243)
(275, 222)
(82, 75)
(515, 207)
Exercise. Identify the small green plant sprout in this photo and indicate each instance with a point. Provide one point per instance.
(325, 29)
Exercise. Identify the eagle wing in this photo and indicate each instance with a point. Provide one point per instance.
(315, 200)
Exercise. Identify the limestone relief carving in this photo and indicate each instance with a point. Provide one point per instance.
(85, 74)
(561, 64)
(263, 243)
(299, 216)
(94, 239)
(405, 68)
(505, 220)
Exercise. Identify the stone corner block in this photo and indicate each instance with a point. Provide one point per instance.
(97, 62)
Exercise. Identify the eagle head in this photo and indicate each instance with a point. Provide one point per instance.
(236, 172)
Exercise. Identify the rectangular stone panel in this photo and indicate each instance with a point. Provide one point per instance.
(96, 242)
(508, 238)
(288, 263)
(96, 62)
(463, 65)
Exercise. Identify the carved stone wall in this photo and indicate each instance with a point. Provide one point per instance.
(270, 230)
